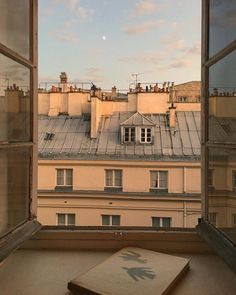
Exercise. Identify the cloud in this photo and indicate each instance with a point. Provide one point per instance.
(144, 7)
(93, 74)
(143, 27)
(145, 58)
(195, 49)
(175, 44)
(76, 9)
(179, 63)
(68, 37)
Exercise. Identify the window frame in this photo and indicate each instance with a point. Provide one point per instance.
(130, 135)
(21, 232)
(161, 221)
(146, 137)
(110, 216)
(113, 178)
(65, 172)
(158, 172)
(66, 215)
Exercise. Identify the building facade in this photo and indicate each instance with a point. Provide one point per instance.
(121, 159)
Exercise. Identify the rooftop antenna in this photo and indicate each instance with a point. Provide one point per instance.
(136, 77)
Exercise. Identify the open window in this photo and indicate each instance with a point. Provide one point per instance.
(18, 122)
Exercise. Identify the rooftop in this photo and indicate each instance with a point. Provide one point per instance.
(71, 138)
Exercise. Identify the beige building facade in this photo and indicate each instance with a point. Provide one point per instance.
(121, 159)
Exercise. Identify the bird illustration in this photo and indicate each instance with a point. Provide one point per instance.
(133, 256)
(137, 273)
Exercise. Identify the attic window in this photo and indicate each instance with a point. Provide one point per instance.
(146, 135)
(49, 136)
(129, 135)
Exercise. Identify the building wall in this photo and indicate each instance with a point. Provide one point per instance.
(133, 212)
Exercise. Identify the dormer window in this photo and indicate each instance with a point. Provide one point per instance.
(146, 135)
(129, 134)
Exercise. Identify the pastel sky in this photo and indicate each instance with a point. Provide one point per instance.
(106, 41)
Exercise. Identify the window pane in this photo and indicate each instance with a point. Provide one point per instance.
(105, 219)
(154, 179)
(118, 178)
(14, 25)
(109, 174)
(71, 219)
(115, 220)
(15, 187)
(132, 134)
(69, 175)
(149, 137)
(14, 101)
(222, 198)
(61, 219)
(222, 24)
(222, 100)
(126, 134)
(163, 179)
(234, 179)
(156, 221)
(60, 177)
(166, 221)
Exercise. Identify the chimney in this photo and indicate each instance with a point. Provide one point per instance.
(63, 82)
(95, 115)
(172, 118)
(113, 91)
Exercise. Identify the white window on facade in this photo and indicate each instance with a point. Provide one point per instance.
(212, 217)
(113, 178)
(64, 177)
(129, 134)
(65, 219)
(146, 135)
(159, 179)
(161, 221)
(111, 220)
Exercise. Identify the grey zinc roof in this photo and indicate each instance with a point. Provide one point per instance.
(72, 138)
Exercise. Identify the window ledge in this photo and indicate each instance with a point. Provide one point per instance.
(64, 188)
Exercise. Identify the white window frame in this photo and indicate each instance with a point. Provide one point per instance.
(66, 219)
(129, 134)
(162, 221)
(65, 171)
(110, 219)
(113, 178)
(158, 172)
(146, 139)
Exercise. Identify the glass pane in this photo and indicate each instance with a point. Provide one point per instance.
(61, 219)
(222, 24)
(115, 220)
(222, 100)
(69, 177)
(156, 221)
(132, 134)
(14, 25)
(71, 219)
(109, 177)
(163, 179)
(154, 179)
(105, 219)
(222, 197)
(14, 101)
(166, 221)
(15, 187)
(126, 134)
(60, 177)
(118, 178)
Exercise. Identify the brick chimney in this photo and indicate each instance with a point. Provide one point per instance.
(113, 92)
(172, 118)
(64, 82)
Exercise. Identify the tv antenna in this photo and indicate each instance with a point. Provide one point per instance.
(136, 77)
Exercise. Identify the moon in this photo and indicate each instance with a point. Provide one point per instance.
(104, 38)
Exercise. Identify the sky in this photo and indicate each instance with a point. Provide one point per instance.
(106, 41)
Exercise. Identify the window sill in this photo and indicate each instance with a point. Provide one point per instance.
(113, 189)
(158, 190)
(64, 188)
